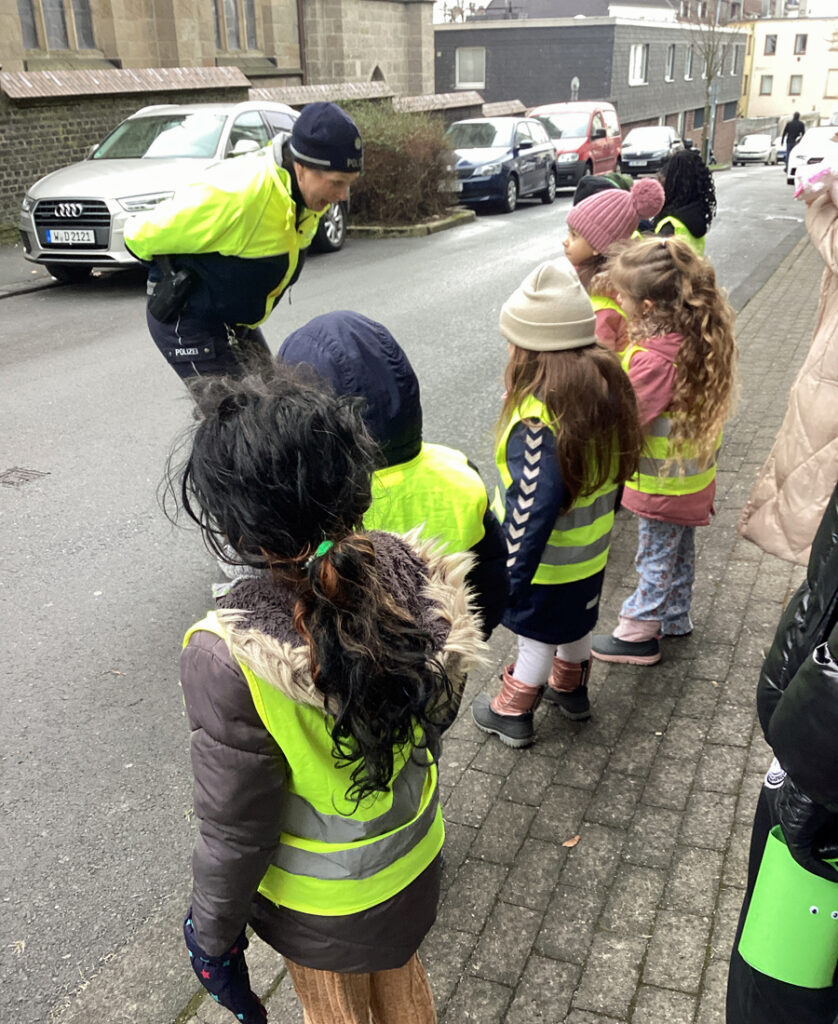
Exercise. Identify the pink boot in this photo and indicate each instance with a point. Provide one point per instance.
(568, 688)
(509, 715)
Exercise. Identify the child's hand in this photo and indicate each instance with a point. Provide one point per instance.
(225, 977)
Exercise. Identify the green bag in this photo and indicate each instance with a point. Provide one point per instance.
(791, 931)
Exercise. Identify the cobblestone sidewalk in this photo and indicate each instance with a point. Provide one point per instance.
(635, 922)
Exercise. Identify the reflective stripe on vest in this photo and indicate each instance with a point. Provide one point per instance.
(333, 859)
(654, 476)
(602, 302)
(438, 491)
(682, 231)
(580, 539)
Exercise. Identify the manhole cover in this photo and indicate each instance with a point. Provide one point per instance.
(17, 476)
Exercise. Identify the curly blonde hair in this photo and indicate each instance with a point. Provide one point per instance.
(685, 298)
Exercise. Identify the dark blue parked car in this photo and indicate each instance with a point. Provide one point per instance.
(499, 159)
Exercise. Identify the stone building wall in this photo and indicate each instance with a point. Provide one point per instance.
(357, 40)
(346, 41)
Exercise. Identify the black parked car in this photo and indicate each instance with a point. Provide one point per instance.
(646, 149)
(500, 159)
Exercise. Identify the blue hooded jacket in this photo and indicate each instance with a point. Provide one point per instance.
(359, 356)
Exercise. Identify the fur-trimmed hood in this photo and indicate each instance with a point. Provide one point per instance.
(257, 616)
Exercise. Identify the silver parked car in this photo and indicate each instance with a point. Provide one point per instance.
(646, 149)
(72, 220)
(755, 149)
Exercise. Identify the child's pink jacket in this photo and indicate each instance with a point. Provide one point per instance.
(652, 375)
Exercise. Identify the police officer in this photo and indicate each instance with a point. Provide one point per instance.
(223, 250)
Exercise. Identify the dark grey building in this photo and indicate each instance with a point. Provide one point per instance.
(652, 71)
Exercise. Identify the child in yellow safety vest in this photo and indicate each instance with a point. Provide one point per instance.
(567, 439)
(595, 224)
(316, 697)
(682, 364)
(416, 486)
(689, 200)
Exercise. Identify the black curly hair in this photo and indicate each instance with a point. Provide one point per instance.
(276, 465)
(687, 179)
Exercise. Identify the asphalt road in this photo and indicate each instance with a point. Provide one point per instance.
(97, 588)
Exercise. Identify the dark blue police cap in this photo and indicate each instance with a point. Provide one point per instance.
(325, 137)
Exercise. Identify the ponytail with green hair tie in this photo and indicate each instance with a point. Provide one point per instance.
(321, 550)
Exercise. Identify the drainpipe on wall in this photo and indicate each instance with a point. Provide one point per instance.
(301, 41)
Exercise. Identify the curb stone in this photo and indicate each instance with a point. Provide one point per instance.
(429, 227)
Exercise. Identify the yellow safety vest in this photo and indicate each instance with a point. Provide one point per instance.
(437, 491)
(581, 537)
(243, 208)
(333, 858)
(602, 302)
(682, 232)
(686, 478)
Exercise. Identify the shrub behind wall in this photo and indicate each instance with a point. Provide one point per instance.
(405, 160)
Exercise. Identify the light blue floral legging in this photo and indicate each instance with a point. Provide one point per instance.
(666, 563)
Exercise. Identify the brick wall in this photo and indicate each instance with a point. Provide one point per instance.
(40, 136)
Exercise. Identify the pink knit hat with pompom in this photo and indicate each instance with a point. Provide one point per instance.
(613, 213)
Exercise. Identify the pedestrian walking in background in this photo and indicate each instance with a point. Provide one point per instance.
(568, 437)
(595, 224)
(689, 202)
(797, 701)
(682, 365)
(793, 132)
(225, 249)
(316, 697)
(416, 485)
(792, 488)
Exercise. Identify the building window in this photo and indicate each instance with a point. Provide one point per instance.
(736, 60)
(735, 11)
(84, 25)
(471, 67)
(66, 26)
(800, 45)
(770, 46)
(766, 84)
(638, 64)
(670, 62)
(234, 20)
(688, 64)
(729, 110)
(795, 85)
(831, 90)
(698, 117)
(26, 13)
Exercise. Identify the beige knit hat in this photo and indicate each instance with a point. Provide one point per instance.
(549, 311)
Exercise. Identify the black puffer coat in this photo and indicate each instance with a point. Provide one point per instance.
(797, 695)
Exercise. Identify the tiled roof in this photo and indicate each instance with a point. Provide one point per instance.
(503, 108)
(438, 101)
(23, 85)
(299, 95)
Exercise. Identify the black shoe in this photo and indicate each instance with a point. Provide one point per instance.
(513, 730)
(573, 704)
(628, 652)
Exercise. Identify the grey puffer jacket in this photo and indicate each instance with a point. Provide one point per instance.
(239, 770)
(797, 695)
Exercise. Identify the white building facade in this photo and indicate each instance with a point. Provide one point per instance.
(791, 64)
